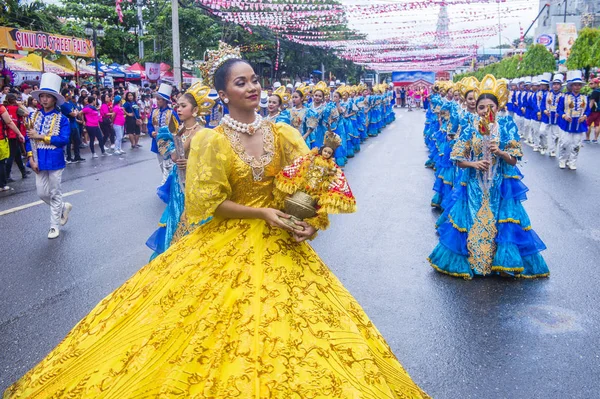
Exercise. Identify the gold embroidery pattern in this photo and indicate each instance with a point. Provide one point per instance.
(481, 238)
(257, 165)
(236, 309)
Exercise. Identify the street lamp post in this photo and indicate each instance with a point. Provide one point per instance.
(95, 33)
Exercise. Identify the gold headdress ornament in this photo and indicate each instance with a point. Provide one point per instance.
(283, 95)
(489, 85)
(322, 86)
(342, 90)
(332, 140)
(468, 84)
(200, 94)
(216, 58)
(304, 89)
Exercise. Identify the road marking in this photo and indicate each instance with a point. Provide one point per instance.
(20, 208)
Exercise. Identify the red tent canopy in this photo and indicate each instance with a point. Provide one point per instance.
(136, 68)
(164, 67)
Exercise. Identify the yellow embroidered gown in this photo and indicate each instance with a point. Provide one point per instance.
(236, 309)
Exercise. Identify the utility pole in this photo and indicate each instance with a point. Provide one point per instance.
(140, 16)
(565, 19)
(176, 49)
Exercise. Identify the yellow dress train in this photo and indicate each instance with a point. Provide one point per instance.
(237, 309)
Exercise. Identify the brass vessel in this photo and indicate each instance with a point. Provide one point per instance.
(299, 206)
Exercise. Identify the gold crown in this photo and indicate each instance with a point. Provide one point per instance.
(342, 90)
(497, 88)
(200, 94)
(304, 89)
(216, 58)
(468, 84)
(332, 140)
(283, 95)
(322, 86)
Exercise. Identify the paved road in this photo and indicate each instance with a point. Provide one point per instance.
(486, 338)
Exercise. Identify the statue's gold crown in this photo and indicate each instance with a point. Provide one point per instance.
(283, 95)
(322, 86)
(332, 140)
(216, 58)
(497, 88)
(200, 93)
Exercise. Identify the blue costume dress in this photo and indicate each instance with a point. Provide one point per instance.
(313, 122)
(354, 133)
(284, 116)
(333, 121)
(446, 170)
(297, 118)
(361, 118)
(173, 223)
(487, 229)
(432, 125)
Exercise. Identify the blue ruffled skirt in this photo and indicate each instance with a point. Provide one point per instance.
(518, 246)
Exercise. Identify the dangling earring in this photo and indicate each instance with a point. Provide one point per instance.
(226, 101)
(195, 114)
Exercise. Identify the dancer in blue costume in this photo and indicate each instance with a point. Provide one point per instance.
(276, 107)
(352, 111)
(315, 127)
(194, 105)
(374, 115)
(298, 111)
(468, 89)
(361, 113)
(445, 168)
(488, 231)
(346, 112)
(333, 119)
(432, 122)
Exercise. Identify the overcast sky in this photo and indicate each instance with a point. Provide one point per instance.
(461, 17)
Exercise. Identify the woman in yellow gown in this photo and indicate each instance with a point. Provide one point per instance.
(240, 308)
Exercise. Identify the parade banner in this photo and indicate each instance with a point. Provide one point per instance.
(547, 39)
(152, 71)
(409, 78)
(25, 40)
(567, 34)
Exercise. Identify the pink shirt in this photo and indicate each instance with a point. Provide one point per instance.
(119, 115)
(92, 116)
(104, 109)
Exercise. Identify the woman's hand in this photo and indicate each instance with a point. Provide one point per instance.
(34, 166)
(568, 118)
(494, 149)
(482, 166)
(21, 138)
(303, 235)
(582, 118)
(272, 217)
(33, 135)
(181, 163)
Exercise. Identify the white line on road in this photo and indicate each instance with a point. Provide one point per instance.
(20, 208)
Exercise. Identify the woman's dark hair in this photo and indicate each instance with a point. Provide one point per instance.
(127, 96)
(30, 101)
(190, 99)
(222, 72)
(104, 98)
(11, 99)
(91, 100)
(300, 93)
(487, 96)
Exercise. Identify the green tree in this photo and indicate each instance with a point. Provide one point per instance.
(584, 53)
(30, 16)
